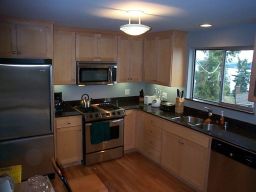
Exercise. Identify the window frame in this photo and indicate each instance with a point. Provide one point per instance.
(220, 102)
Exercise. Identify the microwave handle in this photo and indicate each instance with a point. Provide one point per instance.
(110, 75)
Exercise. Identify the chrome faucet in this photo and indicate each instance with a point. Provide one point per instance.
(208, 120)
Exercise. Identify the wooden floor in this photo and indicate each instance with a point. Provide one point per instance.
(132, 173)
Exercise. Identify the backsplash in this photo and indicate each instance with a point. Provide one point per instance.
(74, 92)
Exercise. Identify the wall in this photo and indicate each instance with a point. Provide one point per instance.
(242, 35)
(74, 92)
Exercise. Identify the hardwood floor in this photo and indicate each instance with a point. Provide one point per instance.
(132, 173)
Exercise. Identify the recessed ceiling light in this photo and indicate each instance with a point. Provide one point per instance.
(206, 25)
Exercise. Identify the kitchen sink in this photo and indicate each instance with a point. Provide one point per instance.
(190, 120)
(209, 127)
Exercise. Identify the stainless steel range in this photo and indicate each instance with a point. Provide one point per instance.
(102, 133)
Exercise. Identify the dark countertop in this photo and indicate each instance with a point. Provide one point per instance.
(237, 133)
(238, 136)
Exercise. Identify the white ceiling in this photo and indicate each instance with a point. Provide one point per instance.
(159, 14)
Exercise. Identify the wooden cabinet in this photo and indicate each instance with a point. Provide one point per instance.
(129, 130)
(252, 91)
(96, 47)
(64, 68)
(68, 139)
(130, 59)
(164, 58)
(186, 153)
(151, 146)
(26, 39)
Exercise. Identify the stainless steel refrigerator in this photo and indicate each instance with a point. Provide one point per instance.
(26, 135)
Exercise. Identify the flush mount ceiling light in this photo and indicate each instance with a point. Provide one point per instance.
(134, 29)
(206, 25)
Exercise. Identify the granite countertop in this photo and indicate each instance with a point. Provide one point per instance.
(237, 133)
(239, 136)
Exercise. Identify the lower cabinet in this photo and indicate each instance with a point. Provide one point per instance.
(129, 130)
(186, 154)
(68, 139)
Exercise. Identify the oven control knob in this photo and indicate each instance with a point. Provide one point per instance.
(107, 114)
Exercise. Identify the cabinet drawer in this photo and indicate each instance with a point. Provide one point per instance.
(68, 121)
(151, 153)
(153, 142)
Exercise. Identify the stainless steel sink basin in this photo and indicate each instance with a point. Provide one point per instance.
(209, 127)
(190, 120)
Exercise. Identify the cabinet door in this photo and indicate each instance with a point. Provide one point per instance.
(129, 129)
(64, 58)
(107, 47)
(86, 47)
(171, 149)
(178, 58)
(139, 131)
(164, 60)
(7, 39)
(194, 164)
(150, 60)
(123, 59)
(136, 59)
(69, 144)
(34, 40)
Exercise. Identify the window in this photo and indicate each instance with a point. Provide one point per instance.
(222, 76)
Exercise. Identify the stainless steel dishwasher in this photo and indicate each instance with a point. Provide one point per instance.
(232, 169)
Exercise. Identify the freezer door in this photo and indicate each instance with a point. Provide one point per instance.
(34, 154)
(25, 100)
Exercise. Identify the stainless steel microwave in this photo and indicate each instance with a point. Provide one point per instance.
(96, 73)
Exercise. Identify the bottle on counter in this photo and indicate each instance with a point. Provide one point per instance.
(222, 120)
(141, 98)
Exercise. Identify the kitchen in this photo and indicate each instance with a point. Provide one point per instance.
(65, 50)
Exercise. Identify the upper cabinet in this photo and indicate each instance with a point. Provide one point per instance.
(252, 91)
(26, 39)
(64, 61)
(164, 58)
(96, 47)
(130, 59)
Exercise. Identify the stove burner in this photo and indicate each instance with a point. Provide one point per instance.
(101, 112)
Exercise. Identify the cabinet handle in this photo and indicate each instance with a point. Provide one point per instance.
(14, 52)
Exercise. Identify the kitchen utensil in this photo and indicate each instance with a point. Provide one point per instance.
(182, 93)
(178, 93)
(85, 101)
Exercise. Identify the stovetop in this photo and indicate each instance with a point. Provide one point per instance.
(101, 111)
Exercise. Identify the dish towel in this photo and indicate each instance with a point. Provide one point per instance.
(100, 131)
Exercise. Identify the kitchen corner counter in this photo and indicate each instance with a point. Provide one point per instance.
(234, 135)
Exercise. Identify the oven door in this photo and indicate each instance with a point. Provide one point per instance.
(114, 139)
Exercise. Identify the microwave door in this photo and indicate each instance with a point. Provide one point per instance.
(110, 76)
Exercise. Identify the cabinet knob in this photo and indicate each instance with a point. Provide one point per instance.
(14, 52)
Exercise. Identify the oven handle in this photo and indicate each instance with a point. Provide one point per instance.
(114, 121)
(118, 120)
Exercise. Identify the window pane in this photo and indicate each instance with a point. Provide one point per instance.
(237, 77)
(207, 75)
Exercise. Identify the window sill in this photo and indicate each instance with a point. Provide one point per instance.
(225, 106)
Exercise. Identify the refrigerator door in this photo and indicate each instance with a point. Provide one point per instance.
(34, 154)
(25, 100)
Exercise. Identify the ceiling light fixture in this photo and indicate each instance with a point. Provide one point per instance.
(134, 29)
(206, 25)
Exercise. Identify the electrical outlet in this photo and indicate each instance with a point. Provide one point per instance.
(164, 96)
(127, 91)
